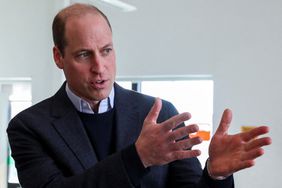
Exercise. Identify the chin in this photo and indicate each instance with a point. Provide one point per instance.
(100, 96)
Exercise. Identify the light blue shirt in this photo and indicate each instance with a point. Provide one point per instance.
(83, 106)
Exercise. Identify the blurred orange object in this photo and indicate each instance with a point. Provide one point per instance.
(204, 135)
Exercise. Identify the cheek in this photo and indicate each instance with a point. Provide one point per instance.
(112, 71)
(76, 72)
(112, 66)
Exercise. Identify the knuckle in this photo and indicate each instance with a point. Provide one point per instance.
(192, 128)
(182, 145)
(171, 136)
(168, 157)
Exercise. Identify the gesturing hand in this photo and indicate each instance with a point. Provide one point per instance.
(156, 144)
(231, 153)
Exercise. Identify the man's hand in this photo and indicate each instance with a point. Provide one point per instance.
(157, 144)
(231, 153)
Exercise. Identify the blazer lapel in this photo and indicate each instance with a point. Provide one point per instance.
(128, 122)
(69, 126)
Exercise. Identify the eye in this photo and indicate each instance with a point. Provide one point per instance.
(83, 54)
(106, 51)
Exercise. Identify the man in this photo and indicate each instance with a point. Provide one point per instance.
(93, 133)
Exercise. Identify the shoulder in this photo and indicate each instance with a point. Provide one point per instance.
(143, 102)
(43, 112)
(48, 107)
(35, 112)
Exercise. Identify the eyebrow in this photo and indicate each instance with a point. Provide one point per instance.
(108, 45)
(89, 50)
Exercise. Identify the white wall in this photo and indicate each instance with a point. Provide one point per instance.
(26, 44)
(238, 42)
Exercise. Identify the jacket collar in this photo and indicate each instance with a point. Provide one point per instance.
(128, 121)
(69, 126)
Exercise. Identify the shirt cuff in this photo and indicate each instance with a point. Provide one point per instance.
(212, 182)
(133, 165)
(214, 177)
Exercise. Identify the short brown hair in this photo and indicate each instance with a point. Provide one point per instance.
(59, 22)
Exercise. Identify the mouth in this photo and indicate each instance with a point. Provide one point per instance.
(99, 81)
(98, 84)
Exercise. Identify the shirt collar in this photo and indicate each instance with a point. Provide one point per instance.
(83, 106)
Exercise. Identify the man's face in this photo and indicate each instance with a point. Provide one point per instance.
(89, 57)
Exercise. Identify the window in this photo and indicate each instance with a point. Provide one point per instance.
(125, 84)
(19, 98)
(193, 96)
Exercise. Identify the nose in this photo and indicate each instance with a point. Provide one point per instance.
(97, 65)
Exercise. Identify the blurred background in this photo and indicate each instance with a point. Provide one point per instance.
(204, 56)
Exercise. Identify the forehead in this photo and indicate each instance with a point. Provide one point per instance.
(87, 27)
(89, 19)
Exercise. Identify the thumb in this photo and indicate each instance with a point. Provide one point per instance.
(225, 122)
(154, 112)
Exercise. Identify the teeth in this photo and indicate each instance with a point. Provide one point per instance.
(99, 81)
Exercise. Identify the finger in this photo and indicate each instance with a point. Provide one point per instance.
(186, 143)
(154, 112)
(257, 143)
(252, 134)
(225, 122)
(174, 121)
(182, 132)
(253, 154)
(243, 164)
(184, 154)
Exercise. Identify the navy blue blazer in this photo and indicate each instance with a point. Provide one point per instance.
(51, 147)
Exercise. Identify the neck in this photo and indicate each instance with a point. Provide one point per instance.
(94, 105)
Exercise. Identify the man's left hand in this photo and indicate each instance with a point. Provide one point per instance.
(231, 153)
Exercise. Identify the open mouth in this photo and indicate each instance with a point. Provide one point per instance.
(100, 81)
(98, 84)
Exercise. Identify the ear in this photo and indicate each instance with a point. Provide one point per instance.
(58, 58)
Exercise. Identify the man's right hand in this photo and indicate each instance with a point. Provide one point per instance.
(157, 145)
